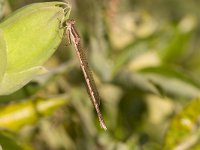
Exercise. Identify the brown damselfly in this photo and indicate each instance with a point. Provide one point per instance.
(90, 84)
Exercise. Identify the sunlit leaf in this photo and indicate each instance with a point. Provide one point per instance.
(15, 116)
(183, 130)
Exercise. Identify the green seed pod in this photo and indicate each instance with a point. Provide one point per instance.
(28, 38)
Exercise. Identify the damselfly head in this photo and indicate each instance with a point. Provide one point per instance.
(70, 22)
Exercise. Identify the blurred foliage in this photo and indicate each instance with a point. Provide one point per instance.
(145, 56)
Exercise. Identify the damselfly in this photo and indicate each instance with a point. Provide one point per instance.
(90, 84)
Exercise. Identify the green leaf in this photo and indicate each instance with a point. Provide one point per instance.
(3, 56)
(131, 80)
(13, 81)
(172, 81)
(128, 53)
(15, 116)
(177, 43)
(8, 143)
(184, 127)
(172, 73)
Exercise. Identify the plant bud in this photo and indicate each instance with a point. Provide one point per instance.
(27, 40)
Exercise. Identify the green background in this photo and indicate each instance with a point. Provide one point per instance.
(145, 57)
